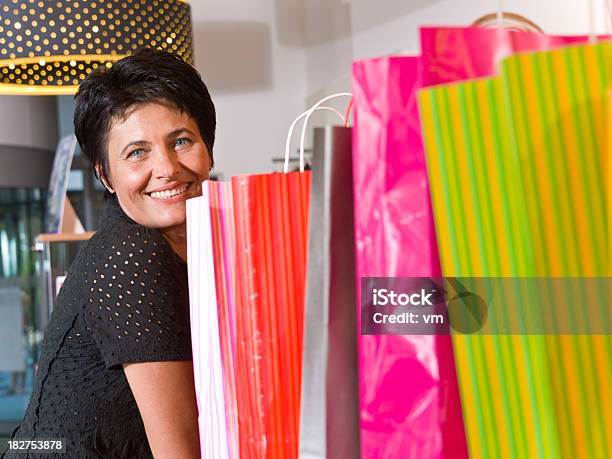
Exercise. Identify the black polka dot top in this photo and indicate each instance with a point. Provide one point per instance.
(125, 299)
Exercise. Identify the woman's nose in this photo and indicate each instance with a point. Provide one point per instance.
(166, 164)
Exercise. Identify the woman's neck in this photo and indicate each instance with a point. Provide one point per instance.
(177, 238)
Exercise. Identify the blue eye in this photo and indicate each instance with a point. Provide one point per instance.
(181, 142)
(136, 153)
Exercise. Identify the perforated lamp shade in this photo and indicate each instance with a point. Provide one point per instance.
(49, 47)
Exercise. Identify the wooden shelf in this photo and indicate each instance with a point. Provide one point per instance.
(64, 237)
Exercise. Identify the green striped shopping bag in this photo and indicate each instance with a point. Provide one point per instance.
(516, 166)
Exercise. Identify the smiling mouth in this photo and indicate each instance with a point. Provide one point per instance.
(168, 194)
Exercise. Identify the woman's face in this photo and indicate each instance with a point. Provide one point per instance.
(156, 161)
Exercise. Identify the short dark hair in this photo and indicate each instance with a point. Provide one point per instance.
(149, 75)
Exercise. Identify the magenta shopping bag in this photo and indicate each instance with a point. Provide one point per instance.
(460, 53)
(410, 405)
(408, 388)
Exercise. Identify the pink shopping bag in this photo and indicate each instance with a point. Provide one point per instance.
(408, 388)
(460, 53)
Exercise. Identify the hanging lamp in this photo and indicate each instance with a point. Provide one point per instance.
(49, 47)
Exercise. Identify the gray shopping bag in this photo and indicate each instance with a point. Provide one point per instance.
(329, 422)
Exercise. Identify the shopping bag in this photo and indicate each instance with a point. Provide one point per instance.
(394, 235)
(330, 404)
(514, 162)
(468, 141)
(212, 283)
(558, 104)
(462, 53)
(607, 177)
(247, 242)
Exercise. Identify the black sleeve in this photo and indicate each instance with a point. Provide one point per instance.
(136, 309)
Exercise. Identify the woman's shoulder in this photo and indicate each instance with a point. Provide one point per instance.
(136, 290)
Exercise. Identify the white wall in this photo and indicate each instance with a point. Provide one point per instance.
(250, 54)
(329, 53)
(327, 31)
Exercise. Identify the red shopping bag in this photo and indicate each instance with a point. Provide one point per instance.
(247, 266)
(271, 214)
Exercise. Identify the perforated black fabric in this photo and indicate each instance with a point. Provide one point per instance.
(125, 299)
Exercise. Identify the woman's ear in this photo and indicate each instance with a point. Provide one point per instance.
(103, 178)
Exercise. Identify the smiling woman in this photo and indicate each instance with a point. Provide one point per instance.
(156, 161)
(148, 126)
(115, 377)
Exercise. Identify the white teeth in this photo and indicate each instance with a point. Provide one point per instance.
(169, 193)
